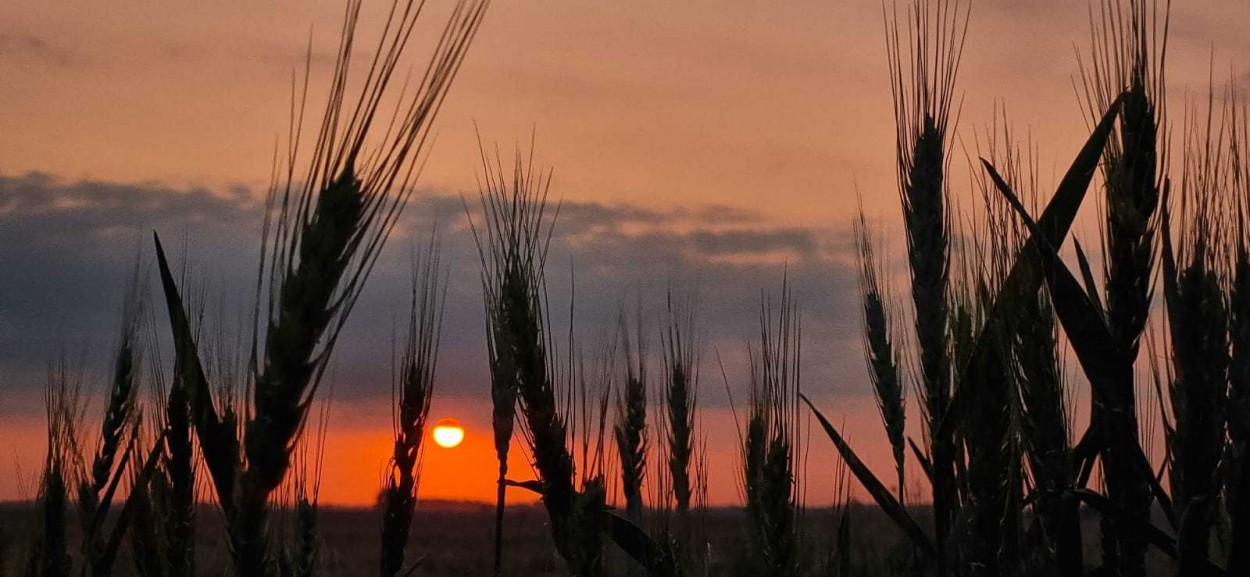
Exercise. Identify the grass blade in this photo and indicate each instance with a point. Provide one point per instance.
(1025, 277)
(1138, 527)
(635, 542)
(130, 508)
(218, 443)
(875, 488)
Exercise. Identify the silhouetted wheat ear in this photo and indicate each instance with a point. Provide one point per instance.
(922, 84)
(97, 486)
(49, 554)
(771, 445)
(512, 245)
(680, 386)
(299, 498)
(412, 392)
(883, 360)
(991, 474)
(630, 430)
(1046, 436)
(1128, 52)
(323, 232)
(1030, 425)
(121, 399)
(179, 465)
(1237, 481)
(1195, 290)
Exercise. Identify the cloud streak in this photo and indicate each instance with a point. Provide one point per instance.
(76, 242)
(35, 51)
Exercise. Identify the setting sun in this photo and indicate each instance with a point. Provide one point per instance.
(448, 433)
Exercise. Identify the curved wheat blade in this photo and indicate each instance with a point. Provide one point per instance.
(886, 500)
(1025, 277)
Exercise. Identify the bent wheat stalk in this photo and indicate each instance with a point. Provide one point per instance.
(512, 245)
(323, 232)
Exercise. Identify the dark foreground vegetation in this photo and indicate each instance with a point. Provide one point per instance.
(452, 536)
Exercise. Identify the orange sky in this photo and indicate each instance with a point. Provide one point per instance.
(779, 108)
(359, 440)
(651, 102)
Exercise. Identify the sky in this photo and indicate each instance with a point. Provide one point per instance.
(709, 146)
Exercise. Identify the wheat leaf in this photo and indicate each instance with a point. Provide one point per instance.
(886, 500)
(925, 464)
(208, 425)
(1087, 275)
(1025, 277)
(635, 542)
(130, 508)
(1141, 528)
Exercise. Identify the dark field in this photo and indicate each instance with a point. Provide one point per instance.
(455, 539)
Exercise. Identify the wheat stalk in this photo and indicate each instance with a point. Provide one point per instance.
(512, 247)
(680, 397)
(95, 489)
(882, 359)
(770, 446)
(1129, 49)
(411, 397)
(1195, 290)
(49, 550)
(630, 430)
(1237, 484)
(923, 88)
(322, 235)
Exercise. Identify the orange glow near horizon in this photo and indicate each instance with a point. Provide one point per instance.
(467, 473)
(358, 445)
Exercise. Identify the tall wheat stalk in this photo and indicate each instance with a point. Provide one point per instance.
(1022, 400)
(324, 230)
(49, 549)
(162, 540)
(679, 392)
(98, 484)
(922, 83)
(1195, 282)
(1237, 491)
(1046, 429)
(630, 429)
(1129, 50)
(771, 443)
(303, 552)
(680, 397)
(512, 244)
(411, 395)
(882, 358)
(180, 465)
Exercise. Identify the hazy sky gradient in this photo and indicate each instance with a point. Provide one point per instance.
(704, 144)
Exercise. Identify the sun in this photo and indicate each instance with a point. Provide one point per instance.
(448, 433)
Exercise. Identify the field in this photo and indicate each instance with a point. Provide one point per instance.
(450, 538)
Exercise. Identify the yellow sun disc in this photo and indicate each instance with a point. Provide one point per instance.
(448, 433)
